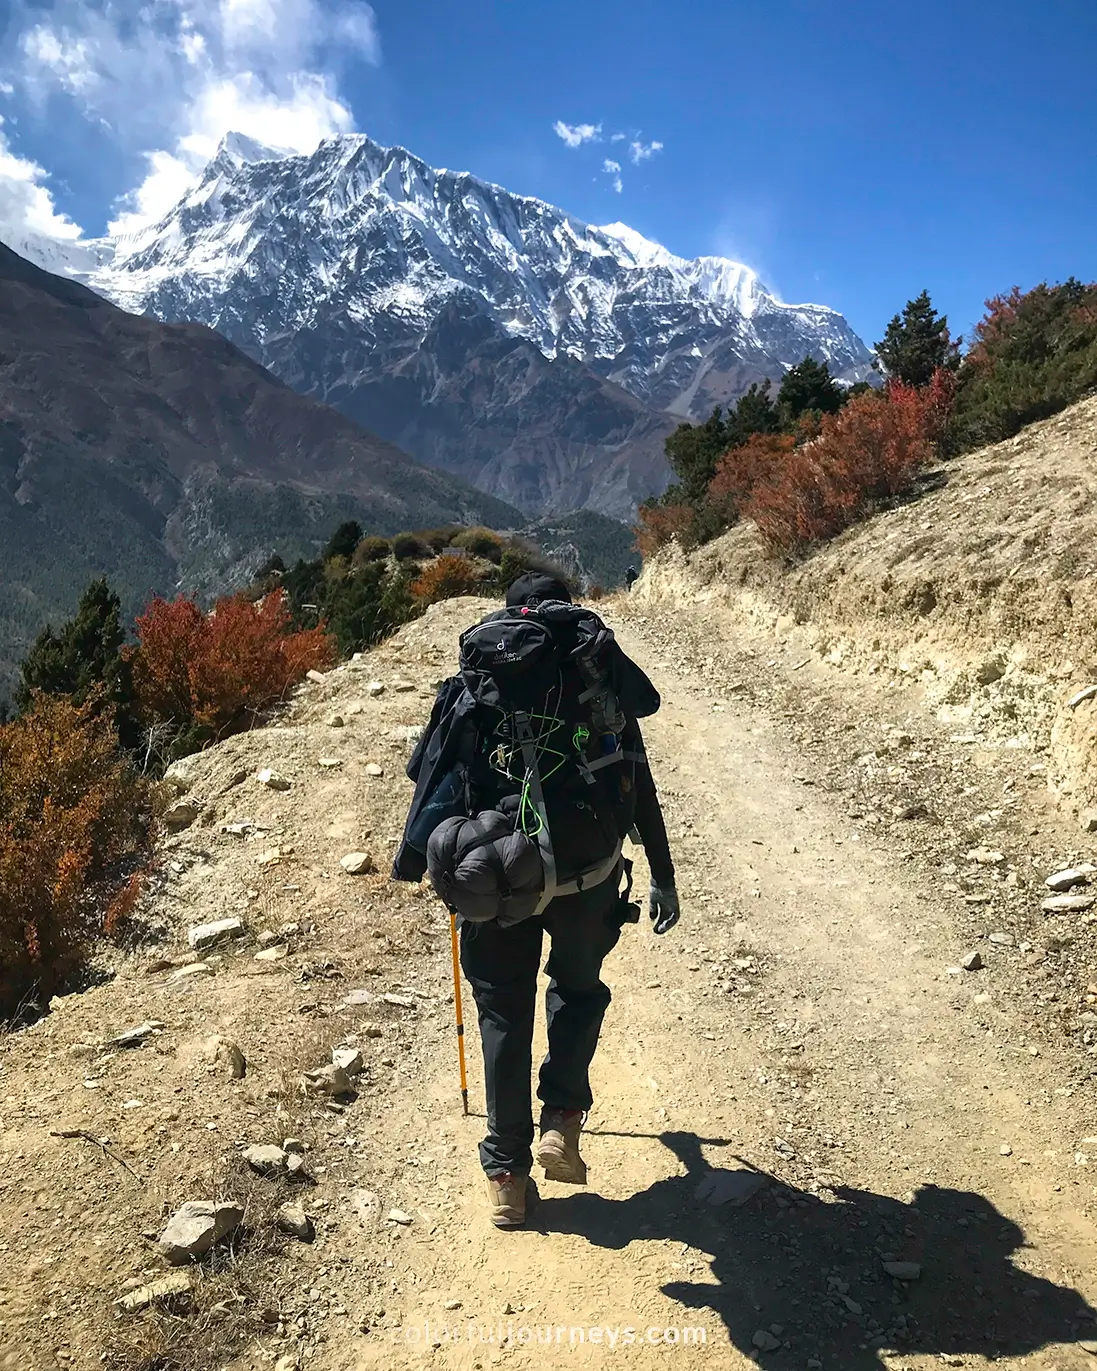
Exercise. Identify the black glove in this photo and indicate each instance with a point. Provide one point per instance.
(663, 907)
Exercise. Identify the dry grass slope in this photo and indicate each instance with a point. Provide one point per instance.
(983, 594)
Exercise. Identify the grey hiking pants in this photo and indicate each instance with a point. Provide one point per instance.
(501, 965)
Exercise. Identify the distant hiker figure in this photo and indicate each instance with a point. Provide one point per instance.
(631, 577)
(529, 776)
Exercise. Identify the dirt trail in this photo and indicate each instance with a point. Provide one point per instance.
(800, 1022)
(798, 1035)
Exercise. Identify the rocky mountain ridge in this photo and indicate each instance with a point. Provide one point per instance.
(490, 333)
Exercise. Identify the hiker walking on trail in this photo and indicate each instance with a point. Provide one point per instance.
(528, 778)
(631, 577)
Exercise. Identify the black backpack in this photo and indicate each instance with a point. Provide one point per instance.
(547, 741)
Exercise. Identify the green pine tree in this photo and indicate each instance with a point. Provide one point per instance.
(85, 656)
(343, 541)
(916, 343)
(755, 412)
(808, 388)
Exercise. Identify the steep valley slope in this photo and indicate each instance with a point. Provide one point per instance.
(161, 456)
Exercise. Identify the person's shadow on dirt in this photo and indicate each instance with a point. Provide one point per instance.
(800, 1280)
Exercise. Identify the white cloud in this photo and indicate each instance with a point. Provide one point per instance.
(618, 137)
(612, 168)
(26, 205)
(169, 78)
(640, 152)
(576, 134)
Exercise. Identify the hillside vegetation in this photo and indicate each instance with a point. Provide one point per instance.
(982, 595)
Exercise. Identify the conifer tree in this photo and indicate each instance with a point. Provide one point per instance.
(808, 388)
(916, 343)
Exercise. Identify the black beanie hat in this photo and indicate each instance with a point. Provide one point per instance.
(535, 586)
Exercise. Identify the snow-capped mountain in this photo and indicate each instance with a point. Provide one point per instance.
(487, 332)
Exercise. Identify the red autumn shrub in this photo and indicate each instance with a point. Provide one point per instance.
(74, 816)
(215, 672)
(447, 577)
(743, 468)
(660, 524)
(869, 451)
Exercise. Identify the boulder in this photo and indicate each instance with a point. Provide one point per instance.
(180, 814)
(357, 863)
(202, 936)
(193, 1229)
(173, 1291)
(181, 775)
(267, 1159)
(347, 1059)
(292, 1219)
(328, 1080)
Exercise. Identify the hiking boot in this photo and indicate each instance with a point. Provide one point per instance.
(558, 1150)
(508, 1193)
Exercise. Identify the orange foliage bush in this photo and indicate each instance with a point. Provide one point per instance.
(215, 672)
(869, 451)
(446, 578)
(73, 815)
(659, 524)
(743, 468)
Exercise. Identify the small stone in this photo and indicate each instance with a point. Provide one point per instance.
(268, 937)
(337, 721)
(328, 1080)
(274, 953)
(764, 1340)
(1005, 1150)
(452, 1304)
(290, 930)
(202, 936)
(357, 863)
(317, 677)
(289, 1362)
(173, 1289)
(330, 763)
(400, 1217)
(403, 686)
(193, 1229)
(375, 688)
(400, 1001)
(295, 1163)
(985, 856)
(273, 780)
(224, 1053)
(180, 815)
(1067, 904)
(292, 1219)
(852, 1305)
(1087, 821)
(267, 1159)
(1002, 939)
(1070, 876)
(373, 769)
(972, 962)
(903, 1271)
(133, 1037)
(271, 857)
(348, 1059)
(192, 971)
(371, 1030)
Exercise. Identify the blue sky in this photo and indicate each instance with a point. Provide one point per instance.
(852, 154)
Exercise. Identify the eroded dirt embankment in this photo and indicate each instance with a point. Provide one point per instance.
(980, 597)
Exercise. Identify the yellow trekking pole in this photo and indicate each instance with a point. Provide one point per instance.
(457, 1006)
